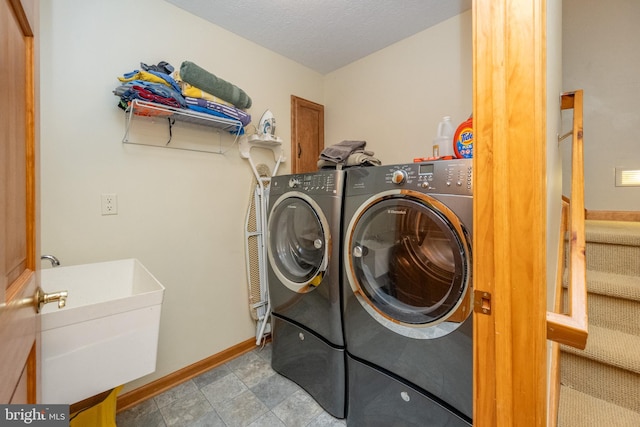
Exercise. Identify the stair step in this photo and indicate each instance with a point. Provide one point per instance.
(614, 285)
(578, 409)
(613, 246)
(613, 232)
(610, 347)
(611, 258)
(614, 313)
(602, 381)
(608, 368)
(613, 301)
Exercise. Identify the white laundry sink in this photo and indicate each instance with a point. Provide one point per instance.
(105, 336)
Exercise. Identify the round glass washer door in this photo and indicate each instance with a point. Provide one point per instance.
(408, 262)
(298, 241)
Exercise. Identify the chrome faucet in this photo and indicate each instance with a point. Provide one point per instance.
(54, 261)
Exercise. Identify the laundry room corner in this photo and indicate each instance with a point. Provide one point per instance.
(181, 213)
(394, 98)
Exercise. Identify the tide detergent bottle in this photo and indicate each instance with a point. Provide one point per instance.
(463, 140)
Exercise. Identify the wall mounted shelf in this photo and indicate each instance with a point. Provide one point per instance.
(143, 109)
(270, 142)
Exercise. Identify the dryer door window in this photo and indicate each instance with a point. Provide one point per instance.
(409, 261)
(297, 243)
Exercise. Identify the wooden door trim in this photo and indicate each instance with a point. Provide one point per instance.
(509, 83)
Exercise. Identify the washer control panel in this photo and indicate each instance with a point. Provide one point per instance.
(329, 183)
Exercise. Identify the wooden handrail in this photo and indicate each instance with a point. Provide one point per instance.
(554, 369)
(572, 328)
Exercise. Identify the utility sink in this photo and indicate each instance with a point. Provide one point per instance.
(105, 336)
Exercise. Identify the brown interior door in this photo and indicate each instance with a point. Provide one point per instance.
(307, 134)
(18, 219)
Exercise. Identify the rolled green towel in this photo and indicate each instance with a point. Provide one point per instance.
(204, 80)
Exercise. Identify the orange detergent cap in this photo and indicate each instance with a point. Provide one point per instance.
(431, 159)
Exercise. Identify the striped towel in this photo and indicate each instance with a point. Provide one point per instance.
(227, 110)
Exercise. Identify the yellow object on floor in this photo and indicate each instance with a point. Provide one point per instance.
(102, 414)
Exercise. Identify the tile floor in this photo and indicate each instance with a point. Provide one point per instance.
(243, 392)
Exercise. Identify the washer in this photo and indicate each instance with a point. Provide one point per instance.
(304, 273)
(407, 294)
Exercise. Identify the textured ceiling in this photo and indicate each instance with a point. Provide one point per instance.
(324, 35)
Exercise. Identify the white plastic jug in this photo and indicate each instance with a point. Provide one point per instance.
(443, 142)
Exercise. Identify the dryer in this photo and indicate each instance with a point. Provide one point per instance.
(304, 272)
(408, 294)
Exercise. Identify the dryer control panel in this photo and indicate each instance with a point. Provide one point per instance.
(438, 177)
(454, 177)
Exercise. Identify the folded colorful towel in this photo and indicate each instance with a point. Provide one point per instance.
(156, 88)
(239, 130)
(146, 76)
(231, 111)
(202, 79)
(194, 92)
(146, 93)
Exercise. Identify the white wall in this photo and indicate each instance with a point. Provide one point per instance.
(181, 213)
(394, 98)
(554, 152)
(600, 55)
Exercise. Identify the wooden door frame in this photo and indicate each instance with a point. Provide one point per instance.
(296, 102)
(18, 320)
(509, 84)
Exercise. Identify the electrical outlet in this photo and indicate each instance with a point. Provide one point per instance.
(109, 204)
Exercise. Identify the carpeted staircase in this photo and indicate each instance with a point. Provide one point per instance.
(600, 385)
